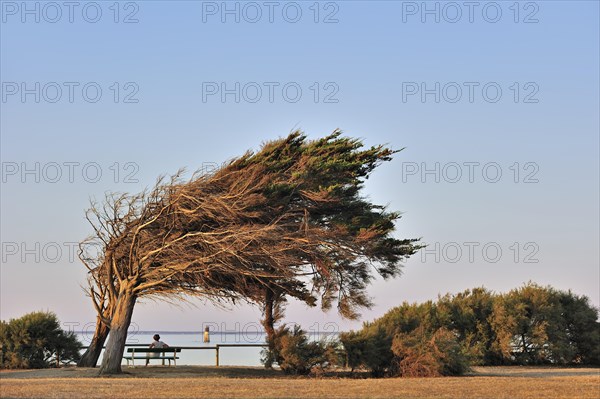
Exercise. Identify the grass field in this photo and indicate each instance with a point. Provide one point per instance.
(241, 382)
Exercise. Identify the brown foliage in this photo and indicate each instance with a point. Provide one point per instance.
(264, 225)
(420, 354)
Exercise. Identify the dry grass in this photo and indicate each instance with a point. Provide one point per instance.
(238, 382)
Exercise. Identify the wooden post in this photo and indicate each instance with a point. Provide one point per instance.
(217, 355)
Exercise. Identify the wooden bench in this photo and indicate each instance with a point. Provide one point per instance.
(169, 354)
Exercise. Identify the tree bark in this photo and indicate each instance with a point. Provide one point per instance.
(92, 354)
(269, 320)
(268, 323)
(121, 319)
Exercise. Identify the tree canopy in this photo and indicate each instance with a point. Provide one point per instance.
(287, 220)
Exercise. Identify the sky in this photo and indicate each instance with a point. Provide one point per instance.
(495, 105)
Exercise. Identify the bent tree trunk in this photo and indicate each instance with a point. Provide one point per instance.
(121, 319)
(268, 323)
(92, 354)
(269, 320)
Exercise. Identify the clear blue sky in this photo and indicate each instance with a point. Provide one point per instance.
(371, 68)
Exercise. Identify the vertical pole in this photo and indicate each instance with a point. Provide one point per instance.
(217, 355)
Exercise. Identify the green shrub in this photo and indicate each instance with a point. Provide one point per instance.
(369, 348)
(36, 341)
(354, 344)
(378, 355)
(295, 354)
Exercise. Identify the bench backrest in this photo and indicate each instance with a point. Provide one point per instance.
(153, 350)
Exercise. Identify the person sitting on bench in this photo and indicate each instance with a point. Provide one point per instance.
(157, 343)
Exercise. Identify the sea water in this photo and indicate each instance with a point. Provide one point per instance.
(228, 356)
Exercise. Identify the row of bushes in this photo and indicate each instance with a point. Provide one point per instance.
(416, 353)
(528, 325)
(36, 340)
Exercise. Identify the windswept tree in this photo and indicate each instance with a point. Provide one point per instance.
(112, 221)
(174, 245)
(320, 182)
(287, 220)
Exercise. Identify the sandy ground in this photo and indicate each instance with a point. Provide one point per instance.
(247, 382)
(260, 372)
